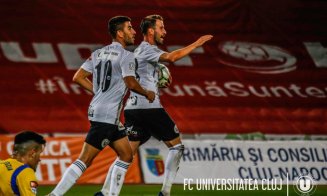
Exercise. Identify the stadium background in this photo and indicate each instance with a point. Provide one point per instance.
(261, 83)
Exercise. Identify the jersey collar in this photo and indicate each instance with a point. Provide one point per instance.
(114, 43)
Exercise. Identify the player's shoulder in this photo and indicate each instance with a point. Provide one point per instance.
(100, 50)
(126, 54)
(13, 165)
(116, 49)
(146, 47)
(27, 173)
(13, 162)
(4, 163)
(27, 181)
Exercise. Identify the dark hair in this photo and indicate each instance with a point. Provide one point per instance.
(149, 22)
(116, 23)
(26, 136)
(24, 141)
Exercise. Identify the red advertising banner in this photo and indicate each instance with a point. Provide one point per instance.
(264, 71)
(60, 152)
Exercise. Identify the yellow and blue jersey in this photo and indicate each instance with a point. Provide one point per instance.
(17, 178)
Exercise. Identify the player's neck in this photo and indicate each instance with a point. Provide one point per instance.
(19, 158)
(120, 41)
(149, 40)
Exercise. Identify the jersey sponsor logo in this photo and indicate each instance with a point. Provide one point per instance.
(8, 165)
(256, 57)
(114, 53)
(105, 55)
(155, 161)
(105, 142)
(34, 185)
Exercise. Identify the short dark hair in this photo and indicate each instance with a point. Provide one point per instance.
(116, 23)
(149, 22)
(26, 140)
(26, 136)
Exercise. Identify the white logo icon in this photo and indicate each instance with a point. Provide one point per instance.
(305, 185)
(104, 143)
(255, 57)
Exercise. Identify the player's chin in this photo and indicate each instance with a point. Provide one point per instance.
(159, 41)
(130, 42)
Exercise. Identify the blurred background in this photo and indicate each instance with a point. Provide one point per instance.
(252, 100)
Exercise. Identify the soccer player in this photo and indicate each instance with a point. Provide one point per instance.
(17, 174)
(144, 119)
(113, 69)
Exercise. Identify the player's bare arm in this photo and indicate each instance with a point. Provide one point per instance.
(133, 85)
(80, 78)
(180, 53)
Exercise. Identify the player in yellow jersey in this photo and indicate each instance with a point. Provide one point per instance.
(17, 174)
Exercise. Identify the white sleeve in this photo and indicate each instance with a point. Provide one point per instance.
(88, 64)
(128, 65)
(152, 53)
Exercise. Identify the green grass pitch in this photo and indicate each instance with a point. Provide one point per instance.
(152, 190)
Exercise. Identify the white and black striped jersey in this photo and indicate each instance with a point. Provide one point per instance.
(147, 57)
(109, 65)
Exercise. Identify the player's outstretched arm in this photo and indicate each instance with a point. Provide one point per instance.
(180, 53)
(80, 78)
(133, 85)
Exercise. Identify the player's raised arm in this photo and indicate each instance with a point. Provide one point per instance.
(180, 53)
(80, 78)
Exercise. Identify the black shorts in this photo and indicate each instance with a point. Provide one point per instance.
(101, 134)
(141, 124)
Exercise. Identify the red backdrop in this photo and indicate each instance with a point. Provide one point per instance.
(264, 70)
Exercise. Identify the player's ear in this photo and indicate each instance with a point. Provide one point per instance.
(31, 154)
(151, 31)
(120, 33)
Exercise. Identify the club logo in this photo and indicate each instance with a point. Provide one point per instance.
(255, 57)
(131, 66)
(104, 143)
(305, 186)
(132, 100)
(34, 185)
(155, 161)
